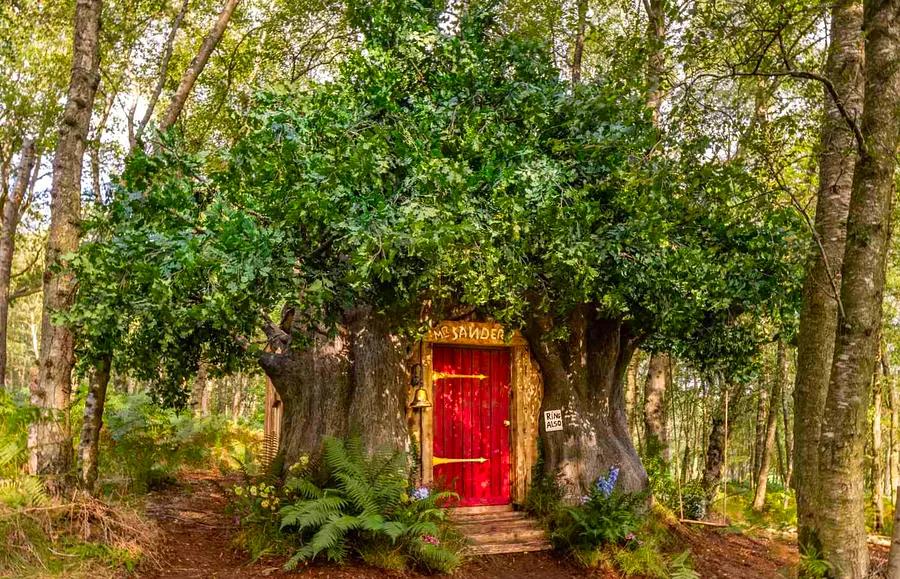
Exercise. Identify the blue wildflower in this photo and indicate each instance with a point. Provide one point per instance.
(421, 493)
(606, 484)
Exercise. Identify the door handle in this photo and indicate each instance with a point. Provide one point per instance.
(506, 423)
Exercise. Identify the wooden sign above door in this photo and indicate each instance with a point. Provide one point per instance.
(474, 334)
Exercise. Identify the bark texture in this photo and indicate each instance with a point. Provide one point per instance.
(10, 223)
(771, 424)
(197, 65)
(818, 317)
(89, 445)
(354, 383)
(49, 440)
(841, 519)
(656, 439)
(584, 376)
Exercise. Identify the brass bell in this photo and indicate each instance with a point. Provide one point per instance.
(420, 395)
(420, 399)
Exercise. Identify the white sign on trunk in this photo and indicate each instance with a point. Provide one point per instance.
(553, 420)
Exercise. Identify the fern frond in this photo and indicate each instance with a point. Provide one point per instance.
(10, 452)
(357, 491)
(309, 514)
(304, 487)
(332, 533)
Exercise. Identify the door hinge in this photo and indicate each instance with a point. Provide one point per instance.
(442, 375)
(441, 460)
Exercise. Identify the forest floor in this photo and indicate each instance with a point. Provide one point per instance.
(197, 542)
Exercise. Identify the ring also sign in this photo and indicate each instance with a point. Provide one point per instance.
(553, 420)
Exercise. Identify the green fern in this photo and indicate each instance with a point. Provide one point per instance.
(23, 491)
(813, 563)
(361, 506)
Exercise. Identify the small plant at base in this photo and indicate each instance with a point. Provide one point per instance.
(364, 505)
(813, 564)
(604, 517)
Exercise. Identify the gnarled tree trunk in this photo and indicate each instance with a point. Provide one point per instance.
(49, 439)
(818, 318)
(841, 517)
(584, 376)
(354, 383)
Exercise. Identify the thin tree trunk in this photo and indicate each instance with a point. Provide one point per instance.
(891, 450)
(762, 475)
(202, 391)
(841, 517)
(631, 395)
(8, 243)
(237, 397)
(656, 61)
(89, 446)
(163, 74)
(893, 564)
(818, 317)
(877, 452)
(717, 442)
(49, 438)
(197, 65)
(788, 440)
(93, 414)
(759, 445)
(578, 53)
(656, 439)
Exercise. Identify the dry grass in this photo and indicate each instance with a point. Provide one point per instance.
(76, 536)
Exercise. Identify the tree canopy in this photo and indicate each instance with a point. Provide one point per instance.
(456, 170)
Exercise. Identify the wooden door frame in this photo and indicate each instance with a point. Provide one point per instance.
(525, 390)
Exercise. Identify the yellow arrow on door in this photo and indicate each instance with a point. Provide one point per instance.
(442, 375)
(441, 460)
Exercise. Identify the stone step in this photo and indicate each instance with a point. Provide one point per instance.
(495, 526)
(480, 510)
(501, 548)
(492, 530)
(488, 518)
(514, 535)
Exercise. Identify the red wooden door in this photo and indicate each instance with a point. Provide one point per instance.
(471, 423)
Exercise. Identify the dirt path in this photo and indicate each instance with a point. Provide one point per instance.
(198, 534)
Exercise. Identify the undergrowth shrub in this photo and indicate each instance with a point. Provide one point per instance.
(350, 504)
(604, 517)
(614, 530)
(546, 493)
(145, 444)
(72, 536)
